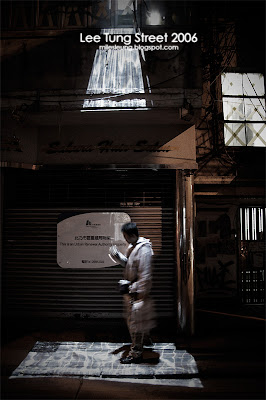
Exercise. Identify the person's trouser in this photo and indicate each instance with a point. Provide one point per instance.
(136, 348)
(137, 326)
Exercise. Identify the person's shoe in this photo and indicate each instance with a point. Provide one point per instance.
(131, 360)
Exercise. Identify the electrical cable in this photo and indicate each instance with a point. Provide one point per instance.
(258, 97)
(106, 97)
(212, 99)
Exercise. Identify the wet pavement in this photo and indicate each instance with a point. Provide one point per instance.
(223, 360)
(162, 364)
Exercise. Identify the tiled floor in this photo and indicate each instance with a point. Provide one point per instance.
(162, 364)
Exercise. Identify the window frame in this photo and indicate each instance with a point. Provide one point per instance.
(245, 122)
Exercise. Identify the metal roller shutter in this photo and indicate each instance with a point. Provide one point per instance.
(33, 283)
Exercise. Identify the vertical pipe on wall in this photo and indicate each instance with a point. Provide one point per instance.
(185, 251)
(10, 14)
(190, 259)
(37, 13)
(179, 246)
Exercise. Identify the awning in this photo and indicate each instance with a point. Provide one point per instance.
(132, 138)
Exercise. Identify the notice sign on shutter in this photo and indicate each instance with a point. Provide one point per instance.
(83, 240)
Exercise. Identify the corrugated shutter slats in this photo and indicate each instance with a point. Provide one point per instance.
(34, 284)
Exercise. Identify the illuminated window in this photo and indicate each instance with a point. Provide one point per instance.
(125, 12)
(244, 109)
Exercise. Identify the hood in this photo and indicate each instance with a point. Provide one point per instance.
(142, 241)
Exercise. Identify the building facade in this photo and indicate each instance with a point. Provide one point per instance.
(136, 107)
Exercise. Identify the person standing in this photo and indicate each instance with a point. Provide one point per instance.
(136, 288)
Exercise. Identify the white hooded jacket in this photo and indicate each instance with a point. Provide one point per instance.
(138, 268)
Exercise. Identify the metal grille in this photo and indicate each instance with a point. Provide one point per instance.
(252, 223)
(252, 254)
(253, 286)
(34, 284)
